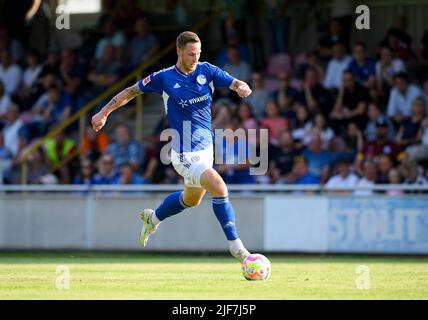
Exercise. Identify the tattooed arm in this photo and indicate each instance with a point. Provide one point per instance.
(119, 100)
(241, 88)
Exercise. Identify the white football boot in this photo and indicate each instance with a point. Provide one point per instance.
(241, 254)
(148, 227)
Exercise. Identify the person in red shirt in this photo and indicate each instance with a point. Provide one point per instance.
(382, 145)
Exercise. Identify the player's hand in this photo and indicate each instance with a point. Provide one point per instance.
(243, 90)
(98, 121)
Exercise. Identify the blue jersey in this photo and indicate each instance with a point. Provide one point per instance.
(187, 99)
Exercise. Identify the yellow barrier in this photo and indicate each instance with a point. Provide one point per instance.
(136, 74)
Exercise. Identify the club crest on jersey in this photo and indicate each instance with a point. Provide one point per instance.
(201, 79)
(146, 80)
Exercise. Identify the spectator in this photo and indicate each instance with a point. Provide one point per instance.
(408, 133)
(365, 184)
(85, 174)
(94, 144)
(302, 128)
(128, 176)
(155, 170)
(246, 117)
(143, 45)
(318, 160)
(71, 72)
(285, 96)
(222, 115)
(112, 37)
(319, 126)
(107, 71)
(401, 98)
(125, 150)
(235, 167)
(53, 107)
(362, 66)
(51, 64)
(59, 150)
(327, 41)
(5, 158)
(374, 113)
(314, 96)
(5, 102)
(106, 170)
(398, 40)
(236, 66)
(384, 166)
(57, 107)
(31, 73)
(301, 174)
(350, 144)
(350, 105)
(336, 66)
(394, 178)
(283, 155)
(419, 152)
(409, 170)
(344, 178)
(382, 145)
(259, 97)
(37, 168)
(386, 68)
(273, 122)
(232, 40)
(312, 61)
(10, 74)
(11, 130)
(39, 90)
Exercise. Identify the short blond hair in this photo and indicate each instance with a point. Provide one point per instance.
(185, 38)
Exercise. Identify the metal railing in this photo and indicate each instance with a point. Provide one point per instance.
(81, 114)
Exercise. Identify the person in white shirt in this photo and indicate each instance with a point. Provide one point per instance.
(11, 130)
(365, 184)
(344, 179)
(336, 66)
(387, 67)
(401, 97)
(5, 101)
(10, 73)
(33, 70)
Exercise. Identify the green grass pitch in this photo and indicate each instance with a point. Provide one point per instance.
(33, 275)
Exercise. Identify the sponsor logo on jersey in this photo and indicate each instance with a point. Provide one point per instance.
(201, 79)
(184, 103)
(176, 86)
(199, 99)
(146, 80)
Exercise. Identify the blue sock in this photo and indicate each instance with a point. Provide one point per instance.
(172, 205)
(225, 214)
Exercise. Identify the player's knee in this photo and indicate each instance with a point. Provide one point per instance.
(219, 189)
(192, 202)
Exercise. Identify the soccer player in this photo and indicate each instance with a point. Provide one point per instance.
(187, 90)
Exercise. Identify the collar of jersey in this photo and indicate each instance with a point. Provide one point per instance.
(185, 75)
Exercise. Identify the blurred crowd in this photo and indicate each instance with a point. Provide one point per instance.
(338, 115)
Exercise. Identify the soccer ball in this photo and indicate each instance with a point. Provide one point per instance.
(256, 267)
